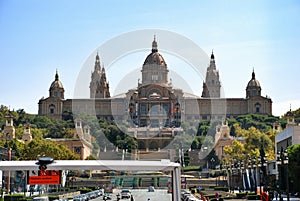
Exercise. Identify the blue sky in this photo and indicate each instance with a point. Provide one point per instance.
(38, 37)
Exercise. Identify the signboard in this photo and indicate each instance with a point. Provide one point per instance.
(44, 177)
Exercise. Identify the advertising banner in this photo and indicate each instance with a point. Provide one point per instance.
(44, 177)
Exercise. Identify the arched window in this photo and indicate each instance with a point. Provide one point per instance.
(51, 108)
(257, 107)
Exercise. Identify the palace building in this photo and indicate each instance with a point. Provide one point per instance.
(155, 104)
(155, 97)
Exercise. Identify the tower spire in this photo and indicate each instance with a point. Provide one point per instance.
(212, 84)
(154, 45)
(253, 74)
(56, 76)
(212, 56)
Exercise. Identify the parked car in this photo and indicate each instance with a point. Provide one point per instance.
(125, 193)
(107, 196)
(78, 198)
(151, 189)
(98, 192)
(43, 198)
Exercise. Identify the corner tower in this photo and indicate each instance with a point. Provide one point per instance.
(99, 87)
(253, 87)
(56, 88)
(53, 105)
(212, 84)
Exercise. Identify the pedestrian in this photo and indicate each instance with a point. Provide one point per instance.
(276, 194)
(131, 199)
(217, 196)
(203, 197)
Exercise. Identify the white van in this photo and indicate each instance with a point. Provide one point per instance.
(44, 198)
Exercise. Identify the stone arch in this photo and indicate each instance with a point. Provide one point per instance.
(153, 145)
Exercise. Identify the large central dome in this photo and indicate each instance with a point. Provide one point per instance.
(154, 57)
(155, 68)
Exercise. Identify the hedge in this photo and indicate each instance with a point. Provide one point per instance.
(253, 197)
(241, 195)
(85, 190)
(14, 197)
(215, 199)
(211, 196)
(221, 188)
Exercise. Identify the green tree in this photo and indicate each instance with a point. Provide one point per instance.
(255, 141)
(195, 144)
(15, 145)
(294, 166)
(38, 148)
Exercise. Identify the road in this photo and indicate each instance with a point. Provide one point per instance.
(143, 195)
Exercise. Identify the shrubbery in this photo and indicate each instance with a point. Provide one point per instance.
(221, 188)
(85, 190)
(253, 197)
(14, 197)
(215, 199)
(241, 195)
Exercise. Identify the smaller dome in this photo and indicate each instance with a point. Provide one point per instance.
(56, 83)
(253, 82)
(290, 114)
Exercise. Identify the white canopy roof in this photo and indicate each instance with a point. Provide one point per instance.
(126, 165)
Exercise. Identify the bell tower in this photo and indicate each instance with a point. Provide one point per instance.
(99, 87)
(212, 84)
(9, 129)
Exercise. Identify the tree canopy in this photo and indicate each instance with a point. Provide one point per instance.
(256, 129)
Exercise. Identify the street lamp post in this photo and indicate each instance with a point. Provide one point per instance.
(263, 168)
(224, 173)
(229, 170)
(238, 167)
(242, 173)
(254, 164)
(283, 161)
(260, 173)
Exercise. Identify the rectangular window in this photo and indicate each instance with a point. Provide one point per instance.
(154, 77)
(166, 108)
(143, 123)
(143, 109)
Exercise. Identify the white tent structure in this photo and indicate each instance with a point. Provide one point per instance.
(119, 165)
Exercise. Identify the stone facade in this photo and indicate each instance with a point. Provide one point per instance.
(223, 138)
(155, 89)
(80, 144)
(27, 137)
(154, 110)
